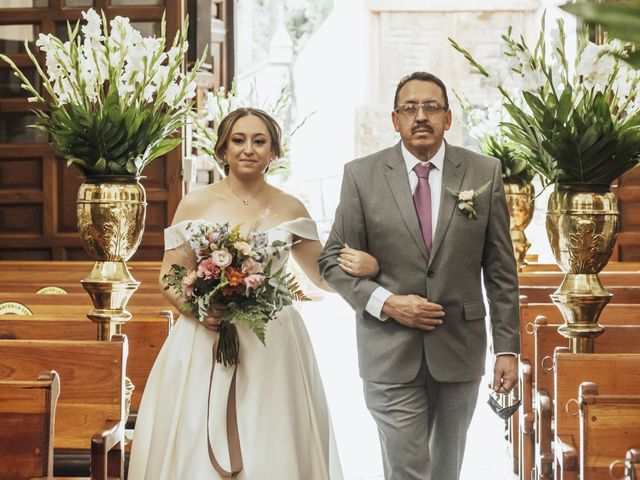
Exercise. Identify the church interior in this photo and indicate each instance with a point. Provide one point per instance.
(82, 313)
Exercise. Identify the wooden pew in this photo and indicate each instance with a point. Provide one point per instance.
(608, 278)
(27, 414)
(615, 339)
(53, 287)
(146, 335)
(548, 314)
(609, 424)
(79, 304)
(90, 407)
(542, 294)
(609, 267)
(622, 312)
(615, 373)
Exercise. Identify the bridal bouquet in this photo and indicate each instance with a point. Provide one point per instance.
(233, 271)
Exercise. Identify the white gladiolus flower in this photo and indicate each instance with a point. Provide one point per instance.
(174, 55)
(93, 27)
(171, 93)
(149, 90)
(595, 66)
(115, 68)
(533, 80)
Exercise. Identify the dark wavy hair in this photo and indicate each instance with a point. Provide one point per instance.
(226, 126)
(425, 77)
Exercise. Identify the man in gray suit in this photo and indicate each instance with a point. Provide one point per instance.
(420, 322)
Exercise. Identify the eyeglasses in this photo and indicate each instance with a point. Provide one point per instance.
(411, 109)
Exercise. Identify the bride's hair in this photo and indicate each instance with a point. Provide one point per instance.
(227, 123)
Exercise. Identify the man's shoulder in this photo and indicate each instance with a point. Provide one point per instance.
(465, 155)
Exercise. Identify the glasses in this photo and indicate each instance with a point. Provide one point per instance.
(411, 109)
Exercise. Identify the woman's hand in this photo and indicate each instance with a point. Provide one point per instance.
(213, 320)
(358, 263)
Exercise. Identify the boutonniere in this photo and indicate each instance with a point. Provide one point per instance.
(466, 198)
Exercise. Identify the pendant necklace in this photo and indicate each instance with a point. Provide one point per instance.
(246, 201)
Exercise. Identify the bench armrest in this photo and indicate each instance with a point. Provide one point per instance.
(566, 453)
(107, 452)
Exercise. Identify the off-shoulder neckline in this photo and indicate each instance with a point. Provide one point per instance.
(274, 227)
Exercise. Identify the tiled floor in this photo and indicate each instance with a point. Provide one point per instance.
(331, 326)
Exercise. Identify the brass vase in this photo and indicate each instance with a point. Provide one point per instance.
(111, 215)
(520, 200)
(582, 226)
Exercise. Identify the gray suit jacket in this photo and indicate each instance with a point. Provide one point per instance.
(376, 214)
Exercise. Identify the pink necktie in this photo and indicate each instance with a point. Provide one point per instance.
(422, 202)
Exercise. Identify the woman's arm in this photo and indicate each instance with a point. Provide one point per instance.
(306, 253)
(355, 262)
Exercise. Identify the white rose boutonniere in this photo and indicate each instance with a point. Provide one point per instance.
(466, 199)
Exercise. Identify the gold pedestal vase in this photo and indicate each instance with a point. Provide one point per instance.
(520, 200)
(582, 226)
(111, 215)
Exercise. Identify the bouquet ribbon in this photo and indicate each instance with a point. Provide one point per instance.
(233, 437)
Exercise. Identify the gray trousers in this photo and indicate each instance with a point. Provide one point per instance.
(422, 425)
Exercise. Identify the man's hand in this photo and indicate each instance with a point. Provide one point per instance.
(505, 373)
(414, 311)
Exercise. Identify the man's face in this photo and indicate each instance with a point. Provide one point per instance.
(421, 132)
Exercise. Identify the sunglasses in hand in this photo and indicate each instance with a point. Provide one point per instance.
(504, 412)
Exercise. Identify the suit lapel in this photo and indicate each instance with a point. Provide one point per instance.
(452, 174)
(401, 189)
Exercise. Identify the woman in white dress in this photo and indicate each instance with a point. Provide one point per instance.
(186, 427)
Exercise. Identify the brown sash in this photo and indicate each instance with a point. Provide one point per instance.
(233, 437)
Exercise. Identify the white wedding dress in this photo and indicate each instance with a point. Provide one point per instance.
(283, 422)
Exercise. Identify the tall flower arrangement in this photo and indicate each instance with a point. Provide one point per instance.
(577, 122)
(485, 124)
(113, 100)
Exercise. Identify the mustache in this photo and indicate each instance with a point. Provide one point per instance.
(422, 126)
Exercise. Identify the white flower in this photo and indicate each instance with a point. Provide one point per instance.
(93, 28)
(149, 90)
(533, 80)
(170, 94)
(466, 195)
(595, 66)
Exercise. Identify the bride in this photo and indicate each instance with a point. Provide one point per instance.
(187, 427)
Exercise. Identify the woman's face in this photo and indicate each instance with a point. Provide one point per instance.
(249, 149)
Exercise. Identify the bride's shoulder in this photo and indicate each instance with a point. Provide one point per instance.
(289, 205)
(192, 203)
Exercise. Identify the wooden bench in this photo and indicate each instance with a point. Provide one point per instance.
(78, 304)
(609, 267)
(609, 424)
(27, 413)
(548, 314)
(615, 373)
(608, 278)
(90, 407)
(146, 335)
(615, 339)
(542, 294)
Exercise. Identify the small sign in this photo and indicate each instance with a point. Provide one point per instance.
(14, 308)
(52, 290)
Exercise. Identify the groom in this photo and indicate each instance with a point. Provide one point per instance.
(420, 322)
